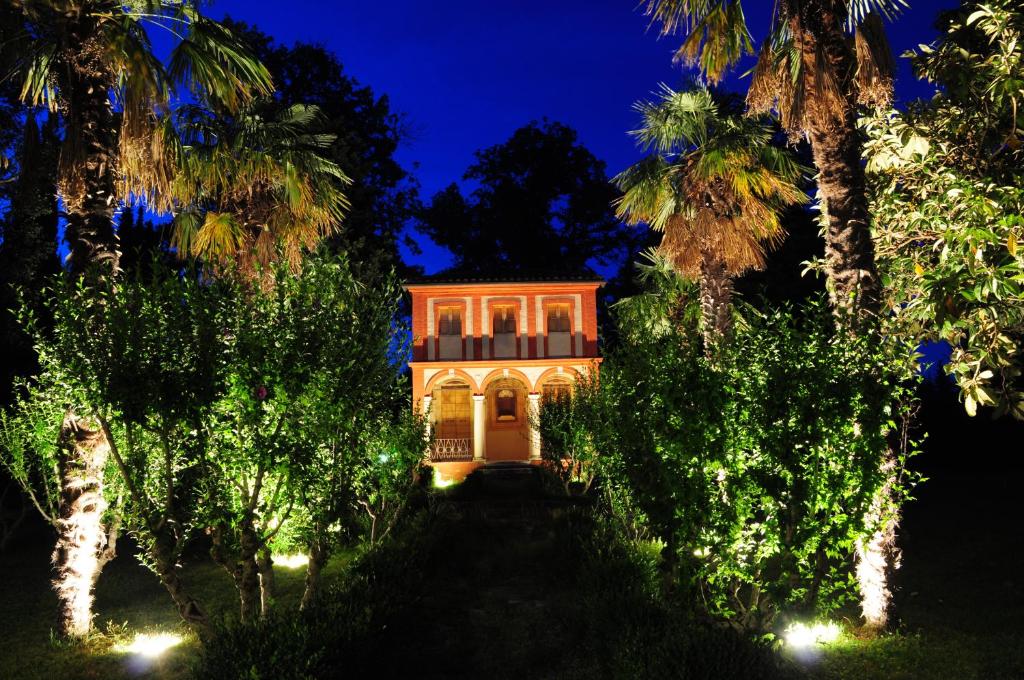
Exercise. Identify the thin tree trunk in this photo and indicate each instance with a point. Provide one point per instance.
(82, 456)
(242, 567)
(715, 299)
(165, 555)
(248, 583)
(314, 568)
(265, 565)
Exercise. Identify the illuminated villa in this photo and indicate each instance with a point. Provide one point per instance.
(485, 352)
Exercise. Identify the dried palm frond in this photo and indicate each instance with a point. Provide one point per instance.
(875, 63)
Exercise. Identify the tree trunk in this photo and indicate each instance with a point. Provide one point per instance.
(715, 299)
(82, 455)
(317, 560)
(265, 565)
(89, 157)
(854, 285)
(831, 121)
(849, 250)
(879, 556)
(165, 555)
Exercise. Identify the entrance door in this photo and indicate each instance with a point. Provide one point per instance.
(508, 426)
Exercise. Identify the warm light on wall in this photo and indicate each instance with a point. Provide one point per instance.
(801, 635)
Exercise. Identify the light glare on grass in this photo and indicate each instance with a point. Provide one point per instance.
(152, 645)
(801, 635)
(290, 561)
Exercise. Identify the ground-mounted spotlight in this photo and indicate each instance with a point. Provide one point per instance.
(151, 645)
(802, 635)
(441, 482)
(294, 561)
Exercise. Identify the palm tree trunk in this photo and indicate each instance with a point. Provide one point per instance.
(831, 121)
(715, 298)
(854, 284)
(81, 537)
(86, 183)
(849, 250)
(88, 163)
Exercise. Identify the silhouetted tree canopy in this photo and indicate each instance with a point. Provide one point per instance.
(383, 196)
(28, 251)
(541, 204)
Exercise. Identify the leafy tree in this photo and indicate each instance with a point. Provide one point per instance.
(366, 134)
(568, 424)
(715, 185)
(540, 204)
(815, 78)
(946, 179)
(79, 58)
(757, 470)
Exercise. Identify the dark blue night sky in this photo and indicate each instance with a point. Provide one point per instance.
(466, 74)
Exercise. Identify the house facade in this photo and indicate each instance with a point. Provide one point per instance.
(485, 353)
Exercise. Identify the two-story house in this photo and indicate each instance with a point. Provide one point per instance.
(485, 352)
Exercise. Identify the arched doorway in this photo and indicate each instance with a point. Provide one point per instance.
(508, 427)
(452, 421)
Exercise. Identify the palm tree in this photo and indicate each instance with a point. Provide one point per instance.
(91, 62)
(255, 185)
(815, 78)
(715, 185)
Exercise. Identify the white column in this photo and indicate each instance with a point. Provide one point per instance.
(479, 421)
(534, 416)
(426, 415)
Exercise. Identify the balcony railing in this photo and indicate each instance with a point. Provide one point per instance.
(448, 450)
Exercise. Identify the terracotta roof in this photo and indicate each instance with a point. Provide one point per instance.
(451, 279)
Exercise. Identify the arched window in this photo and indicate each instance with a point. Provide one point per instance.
(556, 389)
(452, 407)
(505, 404)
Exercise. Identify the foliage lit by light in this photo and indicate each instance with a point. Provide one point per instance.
(802, 635)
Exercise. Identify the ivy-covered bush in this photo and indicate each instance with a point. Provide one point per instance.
(754, 468)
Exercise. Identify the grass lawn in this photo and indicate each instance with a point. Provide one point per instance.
(960, 591)
(129, 599)
(960, 599)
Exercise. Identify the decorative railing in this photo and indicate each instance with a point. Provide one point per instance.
(445, 450)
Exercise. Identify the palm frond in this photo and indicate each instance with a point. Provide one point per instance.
(875, 64)
(715, 32)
